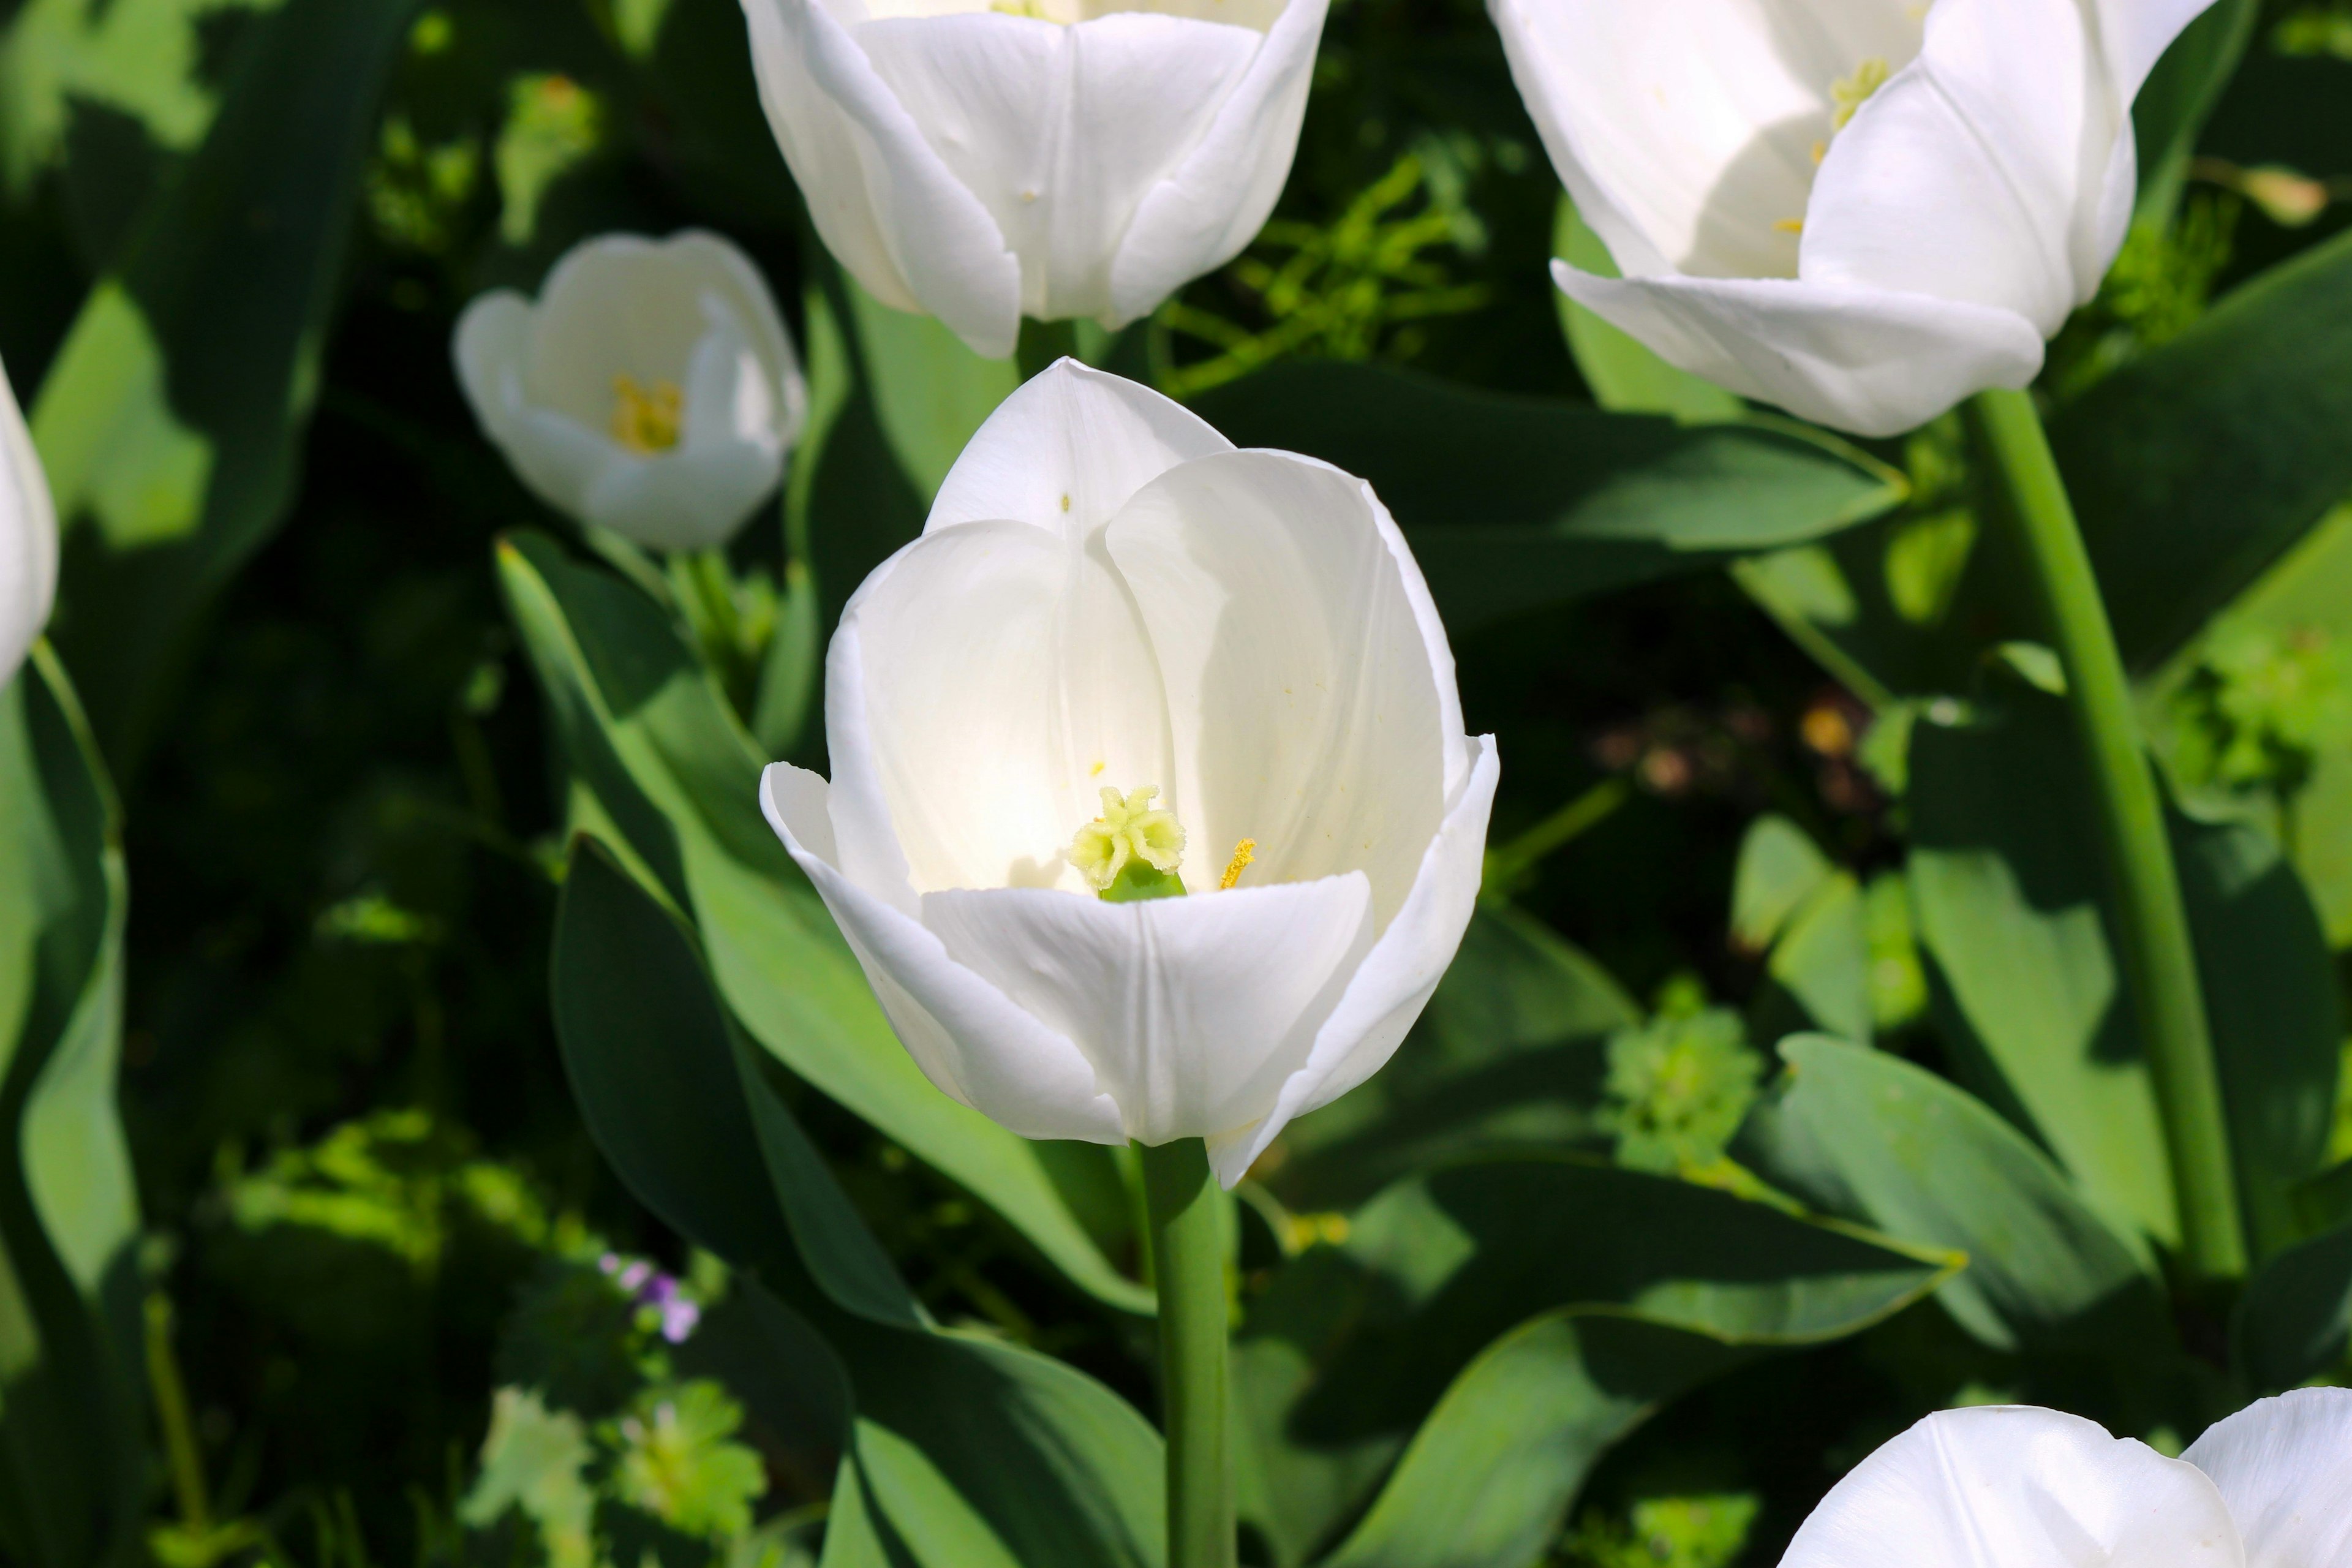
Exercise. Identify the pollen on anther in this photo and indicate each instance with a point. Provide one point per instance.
(1244, 853)
(1065, 504)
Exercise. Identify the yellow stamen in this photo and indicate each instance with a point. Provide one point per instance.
(645, 418)
(1129, 828)
(1789, 225)
(1244, 853)
(1854, 92)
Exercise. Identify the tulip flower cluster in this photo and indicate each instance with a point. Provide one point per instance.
(29, 538)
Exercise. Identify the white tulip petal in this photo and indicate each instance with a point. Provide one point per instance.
(1870, 361)
(1005, 682)
(1059, 131)
(684, 499)
(2134, 34)
(2010, 1487)
(1396, 978)
(29, 538)
(1193, 1010)
(942, 243)
(2284, 1466)
(971, 1041)
(1202, 214)
(1311, 699)
(492, 338)
(1963, 177)
(1066, 451)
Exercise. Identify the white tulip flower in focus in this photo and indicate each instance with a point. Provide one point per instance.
(984, 160)
(652, 388)
(1152, 813)
(1861, 210)
(2017, 1487)
(29, 538)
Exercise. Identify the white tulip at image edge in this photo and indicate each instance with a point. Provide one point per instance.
(1110, 598)
(1835, 206)
(29, 538)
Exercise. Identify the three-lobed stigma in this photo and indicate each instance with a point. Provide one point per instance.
(1132, 850)
(645, 417)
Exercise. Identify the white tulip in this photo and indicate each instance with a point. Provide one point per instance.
(1123, 651)
(1861, 210)
(2016, 1486)
(652, 390)
(982, 160)
(29, 538)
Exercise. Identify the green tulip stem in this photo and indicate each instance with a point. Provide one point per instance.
(2151, 923)
(1188, 1257)
(1043, 343)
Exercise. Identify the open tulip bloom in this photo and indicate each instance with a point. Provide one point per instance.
(2016, 1486)
(652, 389)
(29, 538)
(1861, 210)
(1152, 813)
(984, 160)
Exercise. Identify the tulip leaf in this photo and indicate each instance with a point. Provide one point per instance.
(170, 419)
(2296, 1321)
(654, 742)
(2008, 885)
(958, 1439)
(2197, 466)
(1515, 504)
(1865, 1132)
(1625, 375)
(2180, 93)
(72, 1404)
(1508, 1055)
(1354, 1345)
(930, 393)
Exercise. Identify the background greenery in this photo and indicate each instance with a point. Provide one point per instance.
(1783, 766)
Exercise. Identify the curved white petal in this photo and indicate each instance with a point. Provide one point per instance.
(947, 255)
(1070, 435)
(751, 312)
(997, 680)
(2006, 1486)
(1396, 978)
(492, 338)
(1869, 361)
(2284, 1466)
(685, 498)
(1060, 130)
(2134, 34)
(29, 537)
(1193, 1010)
(1202, 214)
(970, 1039)
(1968, 176)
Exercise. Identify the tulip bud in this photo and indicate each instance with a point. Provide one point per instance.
(1120, 647)
(984, 160)
(652, 389)
(29, 538)
(1861, 212)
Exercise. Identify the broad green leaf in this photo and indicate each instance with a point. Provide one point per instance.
(974, 1435)
(1352, 1346)
(1780, 868)
(930, 392)
(2296, 1321)
(72, 1416)
(1508, 1056)
(651, 737)
(1516, 503)
(2179, 94)
(1625, 376)
(1822, 961)
(172, 417)
(1922, 1159)
(2197, 466)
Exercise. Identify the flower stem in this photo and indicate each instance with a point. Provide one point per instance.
(1188, 1255)
(1043, 342)
(2151, 923)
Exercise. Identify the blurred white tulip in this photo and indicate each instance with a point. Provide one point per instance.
(29, 538)
(1120, 650)
(984, 160)
(1861, 210)
(652, 389)
(2013, 1486)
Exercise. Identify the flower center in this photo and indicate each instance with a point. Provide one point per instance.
(645, 417)
(1847, 95)
(1131, 851)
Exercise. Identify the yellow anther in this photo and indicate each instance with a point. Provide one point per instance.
(1244, 853)
(1790, 226)
(1848, 96)
(645, 418)
(1129, 828)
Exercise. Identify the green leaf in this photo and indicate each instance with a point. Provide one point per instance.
(72, 1407)
(1046, 1461)
(535, 1459)
(1508, 1056)
(2180, 93)
(2197, 466)
(653, 739)
(1352, 1347)
(2296, 1321)
(1780, 868)
(1922, 1159)
(1625, 376)
(1822, 962)
(170, 419)
(930, 393)
(1516, 503)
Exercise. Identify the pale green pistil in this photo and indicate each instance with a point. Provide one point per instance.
(1130, 851)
